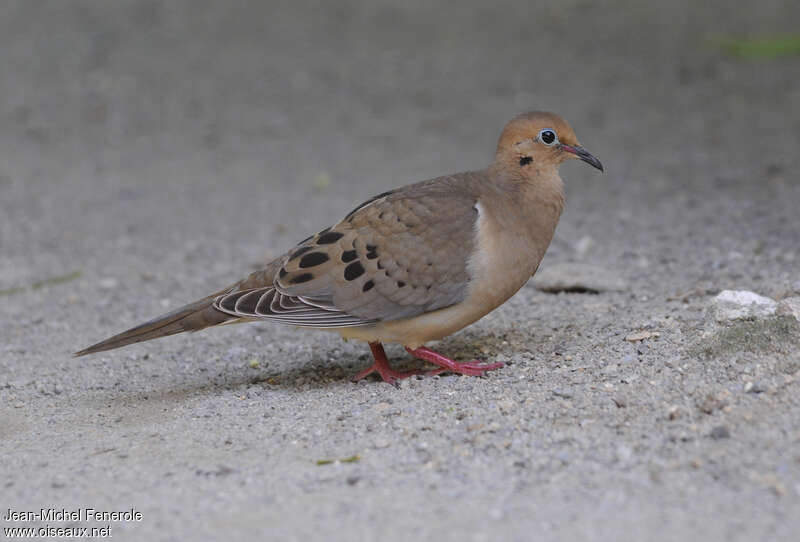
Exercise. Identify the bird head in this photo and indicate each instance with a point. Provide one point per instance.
(539, 140)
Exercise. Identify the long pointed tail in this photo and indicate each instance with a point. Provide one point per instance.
(192, 317)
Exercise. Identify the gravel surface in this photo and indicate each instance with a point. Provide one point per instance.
(153, 152)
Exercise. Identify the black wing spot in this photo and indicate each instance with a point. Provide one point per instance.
(329, 237)
(305, 277)
(353, 271)
(372, 252)
(379, 265)
(299, 252)
(315, 258)
(400, 283)
(368, 286)
(525, 160)
(349, 256)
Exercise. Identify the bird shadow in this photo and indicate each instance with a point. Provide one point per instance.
(317, 373)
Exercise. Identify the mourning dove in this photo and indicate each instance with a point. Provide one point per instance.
(410, 265)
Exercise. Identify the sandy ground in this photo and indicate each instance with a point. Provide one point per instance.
(152, 152)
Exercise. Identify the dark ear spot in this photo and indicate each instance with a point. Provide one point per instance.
(525, 160)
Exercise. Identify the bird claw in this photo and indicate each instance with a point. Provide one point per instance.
(388, 374)
(381, 366)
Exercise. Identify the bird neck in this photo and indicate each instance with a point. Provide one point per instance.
(536, 193)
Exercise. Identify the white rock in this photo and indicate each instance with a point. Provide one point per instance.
(789, 307)
(740, 304)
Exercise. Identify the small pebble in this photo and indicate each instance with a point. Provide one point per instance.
(641, 336)
(674, 412)
(720, 432)
(754, 387)
(565, 393)
(505, 405)
(108, 283)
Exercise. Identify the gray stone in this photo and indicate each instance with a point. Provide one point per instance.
(578, 277)
(789, 307)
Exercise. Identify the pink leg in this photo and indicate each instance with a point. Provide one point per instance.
(381, 366)
(471, 368)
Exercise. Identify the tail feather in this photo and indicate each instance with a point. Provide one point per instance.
(192, 317)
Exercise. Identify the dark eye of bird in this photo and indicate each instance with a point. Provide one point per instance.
(547, 137)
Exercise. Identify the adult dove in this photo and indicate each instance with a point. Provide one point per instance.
(410, 265)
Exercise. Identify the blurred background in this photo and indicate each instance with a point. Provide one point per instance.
(152, 152)
(271, 119)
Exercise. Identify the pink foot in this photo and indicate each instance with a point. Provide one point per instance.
(470, 368)
(381, 366)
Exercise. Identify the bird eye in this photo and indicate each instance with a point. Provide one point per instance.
(547, 136)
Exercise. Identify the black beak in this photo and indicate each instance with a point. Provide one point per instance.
(584, 155)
